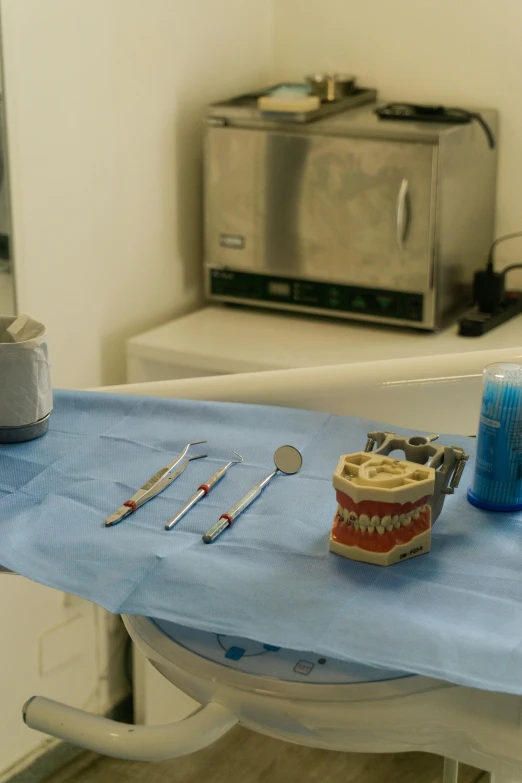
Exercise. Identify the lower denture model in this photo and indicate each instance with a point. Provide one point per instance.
(387, 506)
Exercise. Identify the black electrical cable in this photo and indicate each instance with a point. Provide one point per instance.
(493, 304)
(489, 286)
(485, 127)
(509, 268)
(504, 238)
(420, 113)
(473, 115)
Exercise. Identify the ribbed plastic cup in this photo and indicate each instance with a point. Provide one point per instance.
(497, 481)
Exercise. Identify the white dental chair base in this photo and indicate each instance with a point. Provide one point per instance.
(301, 698)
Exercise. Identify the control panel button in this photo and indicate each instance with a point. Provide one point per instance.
(303, 667)
(271, 648)
(384, 302)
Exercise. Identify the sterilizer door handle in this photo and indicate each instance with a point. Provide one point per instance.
(403, 214)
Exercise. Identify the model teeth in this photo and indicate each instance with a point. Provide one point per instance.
(387, 523)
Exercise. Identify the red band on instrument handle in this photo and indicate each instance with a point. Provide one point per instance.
(229, 519)
(131, 504)
(205, 488)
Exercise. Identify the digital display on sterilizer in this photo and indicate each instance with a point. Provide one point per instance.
(279, 289)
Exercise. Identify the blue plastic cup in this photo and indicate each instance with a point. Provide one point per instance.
(497, 481)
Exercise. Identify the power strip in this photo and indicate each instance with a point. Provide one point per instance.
(476, 323)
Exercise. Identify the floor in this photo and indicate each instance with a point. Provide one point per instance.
(245, 757)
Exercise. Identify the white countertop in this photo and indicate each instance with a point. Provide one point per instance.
(231, 340)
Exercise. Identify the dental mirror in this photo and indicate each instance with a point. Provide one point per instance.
(288, 460)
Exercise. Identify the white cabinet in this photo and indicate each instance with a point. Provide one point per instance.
(223, 340)
(54, 645)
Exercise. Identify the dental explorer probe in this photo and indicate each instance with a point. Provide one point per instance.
(203, 490)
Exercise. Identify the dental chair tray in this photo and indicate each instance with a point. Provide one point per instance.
(455, 614)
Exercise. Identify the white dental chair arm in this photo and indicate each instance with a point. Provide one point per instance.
(127, 741)
(449, 388)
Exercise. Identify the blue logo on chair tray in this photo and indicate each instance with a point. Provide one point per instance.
(235, 648)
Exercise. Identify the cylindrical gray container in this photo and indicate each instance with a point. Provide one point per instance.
(26, 398)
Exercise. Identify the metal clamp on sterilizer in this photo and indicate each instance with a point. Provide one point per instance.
(387, 506)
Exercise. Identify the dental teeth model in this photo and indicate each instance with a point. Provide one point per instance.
(386, 506)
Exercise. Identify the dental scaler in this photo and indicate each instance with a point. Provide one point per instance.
(386, 506)
(203, 490)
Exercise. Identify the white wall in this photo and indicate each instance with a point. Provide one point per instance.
(460, 52)
(104, 102)
(6, 292)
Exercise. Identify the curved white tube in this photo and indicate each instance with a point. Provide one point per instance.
(126, 741)
(304, 387)
(437, 393)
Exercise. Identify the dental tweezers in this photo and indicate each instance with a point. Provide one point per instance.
(156, 484)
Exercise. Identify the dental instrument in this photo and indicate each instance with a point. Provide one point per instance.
(156, 484)
(287, 459)
(203, 490)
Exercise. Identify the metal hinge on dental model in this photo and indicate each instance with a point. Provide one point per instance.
(448, 461)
